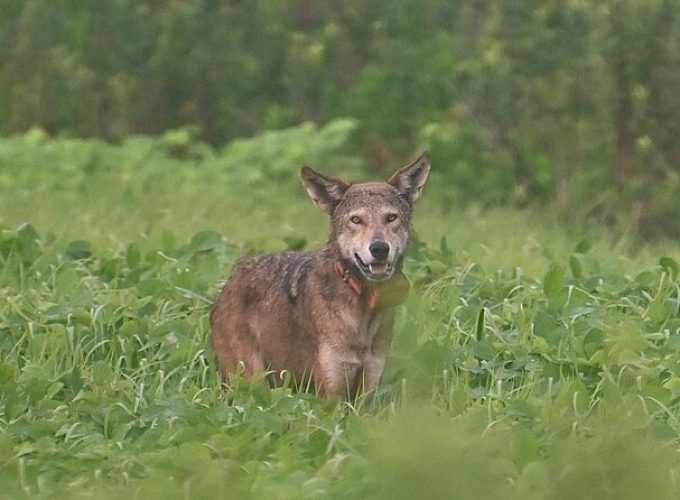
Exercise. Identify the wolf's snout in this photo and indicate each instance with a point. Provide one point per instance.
(379, 250)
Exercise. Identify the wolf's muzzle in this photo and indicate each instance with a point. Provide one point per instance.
(379, 250)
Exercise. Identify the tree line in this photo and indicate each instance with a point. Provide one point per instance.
(522, 103)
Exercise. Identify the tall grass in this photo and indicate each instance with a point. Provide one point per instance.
(530, 361)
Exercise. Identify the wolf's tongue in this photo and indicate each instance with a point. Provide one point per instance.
(377, 268)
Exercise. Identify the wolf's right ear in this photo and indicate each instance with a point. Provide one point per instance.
(326, 192)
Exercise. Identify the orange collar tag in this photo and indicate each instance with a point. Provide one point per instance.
(395, 290)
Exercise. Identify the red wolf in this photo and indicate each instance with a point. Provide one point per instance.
(325, 316)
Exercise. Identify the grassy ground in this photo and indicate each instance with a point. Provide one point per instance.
(529, 361)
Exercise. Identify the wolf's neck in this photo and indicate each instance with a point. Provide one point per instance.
(330, 250)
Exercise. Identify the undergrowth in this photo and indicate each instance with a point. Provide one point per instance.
(524, 366)
(499, 385)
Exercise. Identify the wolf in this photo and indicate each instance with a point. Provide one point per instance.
(325, 317)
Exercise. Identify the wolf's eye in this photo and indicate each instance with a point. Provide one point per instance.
(355, 219)
(391, 217)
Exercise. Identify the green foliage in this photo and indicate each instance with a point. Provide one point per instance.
(500, 385)
(474, 173)
(268, 158)
(87, 186)
(523, 366)
(541, 102)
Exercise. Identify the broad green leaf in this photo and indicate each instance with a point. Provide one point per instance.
(554, 287)
(673, 385)
(576, 266)
(670, 266)
(482, 350)
(77, 250)
(583, 246)
(151, 287)
(133, 255)
(205, 241)
(547, 327)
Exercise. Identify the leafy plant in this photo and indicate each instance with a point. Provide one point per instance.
(499, 384)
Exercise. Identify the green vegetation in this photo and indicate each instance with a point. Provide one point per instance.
(572, 104)
(528, 362)
(148, 144)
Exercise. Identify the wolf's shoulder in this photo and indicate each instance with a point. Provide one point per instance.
(277, 264)
(276, 259)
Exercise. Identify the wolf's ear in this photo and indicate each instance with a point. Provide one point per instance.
(409, 180)
(326, 192)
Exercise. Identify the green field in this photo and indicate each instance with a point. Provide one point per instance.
(531, 361)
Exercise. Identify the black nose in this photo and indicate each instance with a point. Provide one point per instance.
(379, 250)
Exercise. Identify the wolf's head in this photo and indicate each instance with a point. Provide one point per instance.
(371, 221)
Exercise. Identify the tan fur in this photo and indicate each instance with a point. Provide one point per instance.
(325, 316)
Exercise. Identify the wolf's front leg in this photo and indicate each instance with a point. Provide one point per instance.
(374, 361)
(337, 373)
(373, 370)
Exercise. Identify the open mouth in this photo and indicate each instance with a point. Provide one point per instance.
(374, 271)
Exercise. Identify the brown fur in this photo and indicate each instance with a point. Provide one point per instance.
(326, 316)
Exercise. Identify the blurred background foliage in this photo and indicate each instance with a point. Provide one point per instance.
(568, 104)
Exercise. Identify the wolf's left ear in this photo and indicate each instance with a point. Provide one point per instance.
(326, 192)
(409, 180)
